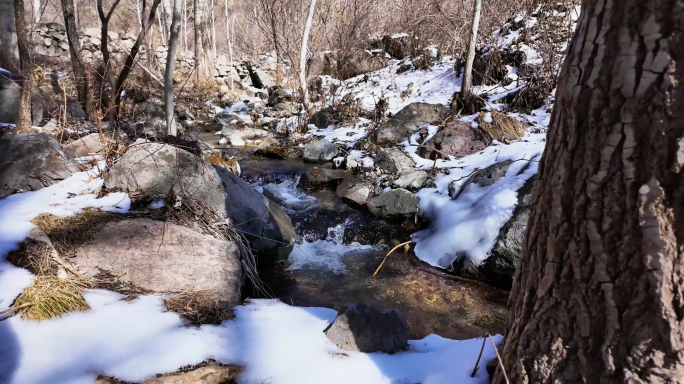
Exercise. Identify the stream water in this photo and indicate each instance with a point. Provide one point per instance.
(340, 247)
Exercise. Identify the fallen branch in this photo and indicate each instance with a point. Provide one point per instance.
(484, 340)
(152, 75)
(14, 309)
(389, 253)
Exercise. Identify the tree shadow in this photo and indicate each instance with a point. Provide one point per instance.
(9, 352)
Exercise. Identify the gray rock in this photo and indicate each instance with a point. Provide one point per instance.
(85, 146)
(408, 121)
(355, 189)
(10, 93)
(394, 204)
(322, 119)
(361, 328)
(154, 169)
(75, 110)
(162, 257)
(457, 140)
(506, 254)
(482, 178)
(393, 160)
(412, 179)
(319, 151)
(92, 32)
(29, 162)
(317, 178)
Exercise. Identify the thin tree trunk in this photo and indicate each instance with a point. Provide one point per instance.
(36, 11)
(26, 66)
(213, 30)
(75, 51)
(204, 68)
(599, 295)
(470, 58)
(76, 21)
(9, 53)
(170, 62)
(185, 25)
(302, 60)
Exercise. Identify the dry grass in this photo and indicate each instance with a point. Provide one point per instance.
(228, 163)
(197, 308)
(67, 233)
(49, 296)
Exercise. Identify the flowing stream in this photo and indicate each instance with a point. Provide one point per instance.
(339, 248)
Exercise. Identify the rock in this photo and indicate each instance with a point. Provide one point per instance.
(408, 121)
(260, 79)
(10, 93)
(224, 89)
(317, 178)
(393, 160)
(85, 146)
(482, 178)
(213, 374)
(75, 110)
(47, 42)
(261, 93)
(57, 36)
(502, 127)
(161, 257)
(323, 118)
(319, 151)
(339, 162)
(505, 256)
(394, 204)
(184, 113)
(457, 140)
(244, 136)
(398, 46)
(29, 162)
(413, 179)
(361, 328)
(155, 169)
(355, 189)
(112, 35)
(275, 152)
(92, 32)
(278, 95)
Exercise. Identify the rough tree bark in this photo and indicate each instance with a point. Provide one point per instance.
(9, 54)
(26, 67)
(302, 60)
(204, 64)
(75, 51)
(470, 58)
(118, 82)
(170, 62)
(599, 295)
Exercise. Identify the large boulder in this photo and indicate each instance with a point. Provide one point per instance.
(323, 118)
(317, 178)
(393, 160)
(408, 121)
(506, 254)
(457, 140)
(395, 204)
(161, 257)
(154, 169)
(84, 146)
(319, 151)
(483, 178)
(29, 162)
(355, 189)
(361, 328)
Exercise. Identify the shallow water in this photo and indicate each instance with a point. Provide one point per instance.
(340, 247)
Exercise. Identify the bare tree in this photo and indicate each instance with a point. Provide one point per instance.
(599, 295)
(26, 66)
(204, 63)
(9, 54)
(75, 51)
(302, 60)
(213, 30)
(228, 37)
(118, 82)
(470, 58)
(170, 62)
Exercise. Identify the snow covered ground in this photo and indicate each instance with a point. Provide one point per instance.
(134, 340)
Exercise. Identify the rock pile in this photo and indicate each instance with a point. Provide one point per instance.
(51, 40)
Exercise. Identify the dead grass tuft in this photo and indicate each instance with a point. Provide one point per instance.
(228, 163)
(49, 296)
(67, 233)
(502, 128)
(469, 105)
(198, 308)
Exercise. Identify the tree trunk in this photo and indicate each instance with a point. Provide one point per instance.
(9, 54)
(26, 66)
(36, 11)
(468, 73)
(302, 60)
(599, 295)
(204, 68)
(213, 31)
(170, 62)
(228, 41)
(75, 50)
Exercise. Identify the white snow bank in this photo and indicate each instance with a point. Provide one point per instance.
(277, 343)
